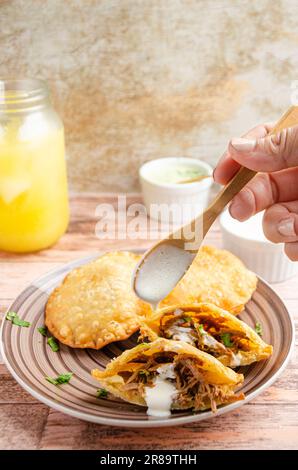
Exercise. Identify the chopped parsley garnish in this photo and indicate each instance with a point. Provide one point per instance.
(187, 319)
(61, 379)
(226, 339)
(259, 329)
(101, 393)
(51, 341)
(16, 320)
(42, 330)
(53, 344)
(52, 381)
(144, 373)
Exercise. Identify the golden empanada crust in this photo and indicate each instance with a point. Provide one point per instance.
(216, 276)
(95, 304)
(212, 371)
(221, 321)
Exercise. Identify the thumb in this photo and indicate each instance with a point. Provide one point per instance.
(272, 153)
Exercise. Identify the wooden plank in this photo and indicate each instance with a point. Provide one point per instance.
(22, 425)
(253, 426)
(10, 391)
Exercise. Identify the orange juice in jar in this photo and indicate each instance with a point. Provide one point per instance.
(33, 184)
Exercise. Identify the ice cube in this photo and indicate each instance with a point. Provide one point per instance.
(12, 187)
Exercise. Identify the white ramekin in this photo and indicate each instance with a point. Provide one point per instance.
(185, 200)
(266, 259)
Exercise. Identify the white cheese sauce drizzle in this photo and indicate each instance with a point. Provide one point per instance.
(159, 398)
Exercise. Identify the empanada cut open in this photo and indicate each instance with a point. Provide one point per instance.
(210, 329)
(194, 379)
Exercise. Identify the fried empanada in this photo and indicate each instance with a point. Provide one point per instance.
(215, 276)
(95, 304)
(210, 329)
(166, 374)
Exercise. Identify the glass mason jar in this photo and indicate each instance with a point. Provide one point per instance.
(33, 184)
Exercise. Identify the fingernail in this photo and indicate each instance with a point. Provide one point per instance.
(286, 227)
(236, 210)
(213, 174)
(243, 145)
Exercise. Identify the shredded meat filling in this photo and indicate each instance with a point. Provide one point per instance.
(192, 390)
(145, 374)
(184, 328)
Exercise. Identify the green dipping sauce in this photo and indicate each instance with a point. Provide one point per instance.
(176, 173)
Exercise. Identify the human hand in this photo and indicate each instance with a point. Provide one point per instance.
(275, 189)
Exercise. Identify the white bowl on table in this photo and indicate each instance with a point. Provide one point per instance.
(185, 200)
(247, 241)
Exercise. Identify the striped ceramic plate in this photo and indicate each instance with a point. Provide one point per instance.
(30, 359)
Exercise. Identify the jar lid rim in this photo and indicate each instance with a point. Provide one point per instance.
(22, 92)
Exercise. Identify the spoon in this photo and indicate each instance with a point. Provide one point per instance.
(164, 264)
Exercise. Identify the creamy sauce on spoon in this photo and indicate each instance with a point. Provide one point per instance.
(160, 272)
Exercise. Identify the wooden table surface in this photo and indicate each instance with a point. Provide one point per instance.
(268, 422)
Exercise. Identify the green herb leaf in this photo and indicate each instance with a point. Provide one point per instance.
(52, 381)
(226, 339)
(259, 329)
(187, 319)
(19, 322)
(101, 393)
(53, 344)
(16, 320)
(201, 329)
(64, 378)
(61, 379)
(143, 372)
(42, 330)
(143, 375)
(10, 316)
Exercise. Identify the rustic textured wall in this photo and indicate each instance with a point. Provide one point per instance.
(140, 79)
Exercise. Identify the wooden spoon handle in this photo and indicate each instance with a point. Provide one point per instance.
(244, 175)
